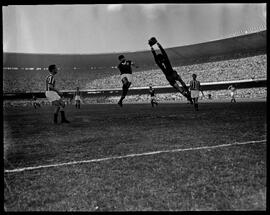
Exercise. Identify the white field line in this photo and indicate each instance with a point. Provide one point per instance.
(131, 155)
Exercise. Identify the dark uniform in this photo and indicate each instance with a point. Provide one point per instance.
(125, 71)
(153, 98)
(126, 75)
(166, 67)
(35, 103)
(170, 74)
(152, 92)
(125, 68)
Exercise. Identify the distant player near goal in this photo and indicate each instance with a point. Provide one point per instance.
(195, 88)
(35, 102)
(232, 89)
(153, 97)
(162, 60)
(53, 95)
(126, 76)
(78, 98)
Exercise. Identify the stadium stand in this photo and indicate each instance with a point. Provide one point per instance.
(227, 70)
(67, 79)
(27, 72)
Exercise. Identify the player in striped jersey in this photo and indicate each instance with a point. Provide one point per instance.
(77, 98)
(195, 88)
(126, 76)
(53, 95)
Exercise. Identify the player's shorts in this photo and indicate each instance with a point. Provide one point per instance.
(128, 76)
(153, 99)
(232, 94)
(194, 93)
(52, 96)
(172, 78)
(77, 98)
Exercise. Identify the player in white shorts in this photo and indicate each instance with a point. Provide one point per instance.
(126, 76)
(53, 95)
(232, 89)
(195, 88)
(78, 98)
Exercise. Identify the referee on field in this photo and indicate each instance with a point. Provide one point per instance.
(195, 88)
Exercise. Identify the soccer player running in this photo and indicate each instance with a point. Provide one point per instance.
(78, 98)
(195, 88)
(232, 89)
(171, 75)
(153, 97)
(53, 95)
(126, 76)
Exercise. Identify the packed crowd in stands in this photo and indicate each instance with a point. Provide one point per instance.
(237, 69)
(223, 70)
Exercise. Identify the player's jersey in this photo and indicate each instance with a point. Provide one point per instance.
(165, 66)
(49, 80)
(125, 68)
(194, 85)
(232, 88)
(152, 92)
(77, 95)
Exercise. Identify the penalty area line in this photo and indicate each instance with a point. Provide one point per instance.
(132, 155)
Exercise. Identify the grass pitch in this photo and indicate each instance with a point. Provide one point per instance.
(226, 178)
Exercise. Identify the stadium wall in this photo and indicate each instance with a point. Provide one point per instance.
(250, 44)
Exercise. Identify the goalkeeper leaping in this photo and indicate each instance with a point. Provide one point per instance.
(171, 75)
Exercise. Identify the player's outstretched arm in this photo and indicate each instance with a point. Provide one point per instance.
(162, 50)
(202, 93)
(165, 55)
(154, 53)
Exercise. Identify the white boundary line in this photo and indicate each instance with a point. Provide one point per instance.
(131, 155)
